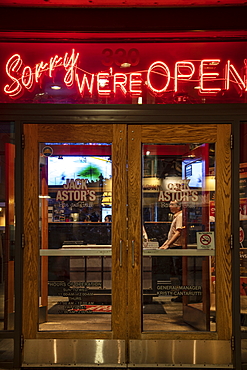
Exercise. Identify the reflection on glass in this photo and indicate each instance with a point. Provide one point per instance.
(7, 230)
(243, 225)
(76, 213)
(178, 237)
(6, 350)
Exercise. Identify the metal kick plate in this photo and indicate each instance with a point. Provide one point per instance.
(183, 353)
(74, 352)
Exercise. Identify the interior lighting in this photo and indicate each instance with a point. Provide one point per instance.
(56, 87)
(103, 82)
(125, 65)
(147, 152)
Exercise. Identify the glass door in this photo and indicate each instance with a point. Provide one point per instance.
(124, 244)
(179, 233)
(75, 253)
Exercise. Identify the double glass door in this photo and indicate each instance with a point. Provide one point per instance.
(124, 239)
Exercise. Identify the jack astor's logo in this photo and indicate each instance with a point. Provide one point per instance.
(209, 76)
(179, 191)
(75, 190)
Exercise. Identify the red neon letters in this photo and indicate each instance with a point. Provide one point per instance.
(208, 76)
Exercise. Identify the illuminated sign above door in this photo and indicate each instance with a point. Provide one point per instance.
(127, 73)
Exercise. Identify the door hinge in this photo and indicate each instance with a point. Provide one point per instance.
(231, 141)
(231, 241)
(22, 342)
(23, 141)
(233, 343)
(22, 241)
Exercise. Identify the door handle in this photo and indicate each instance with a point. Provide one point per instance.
(120, 252)
(133, 253)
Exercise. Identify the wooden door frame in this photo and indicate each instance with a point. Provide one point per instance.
(204, 133)
(34, 134)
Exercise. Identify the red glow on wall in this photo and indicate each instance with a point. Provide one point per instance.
(207, 76)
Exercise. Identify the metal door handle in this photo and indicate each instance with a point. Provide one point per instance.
(133, 253)
(120, 252)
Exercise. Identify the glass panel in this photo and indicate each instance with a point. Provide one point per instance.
(243, 225)
(76, 213)
(178, 237)
(7, 226)
(123, 72)
(6, 350)
(244, 350)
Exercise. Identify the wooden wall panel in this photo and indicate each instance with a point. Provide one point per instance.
(119, 233)
(223, 233)
(134, 231)
(44, 237)
(81, 133)
(178, 134)
(31, 227)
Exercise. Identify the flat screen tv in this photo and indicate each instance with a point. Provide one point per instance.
(73, 167)
(192, 171)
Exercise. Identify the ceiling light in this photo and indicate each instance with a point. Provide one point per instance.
(125, 65)
(56, 87)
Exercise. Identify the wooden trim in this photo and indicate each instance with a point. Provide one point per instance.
(44, 238)
(119, 233)
(134, 232)
(223, 233)
(74, 335)
(180, 336)
(178, 134)
(75, 133)
(31, 227)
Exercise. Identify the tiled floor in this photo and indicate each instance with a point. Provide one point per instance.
(170, 320)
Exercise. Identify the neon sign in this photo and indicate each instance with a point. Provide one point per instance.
(209, 76)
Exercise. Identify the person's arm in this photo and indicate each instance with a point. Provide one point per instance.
(169, 242)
